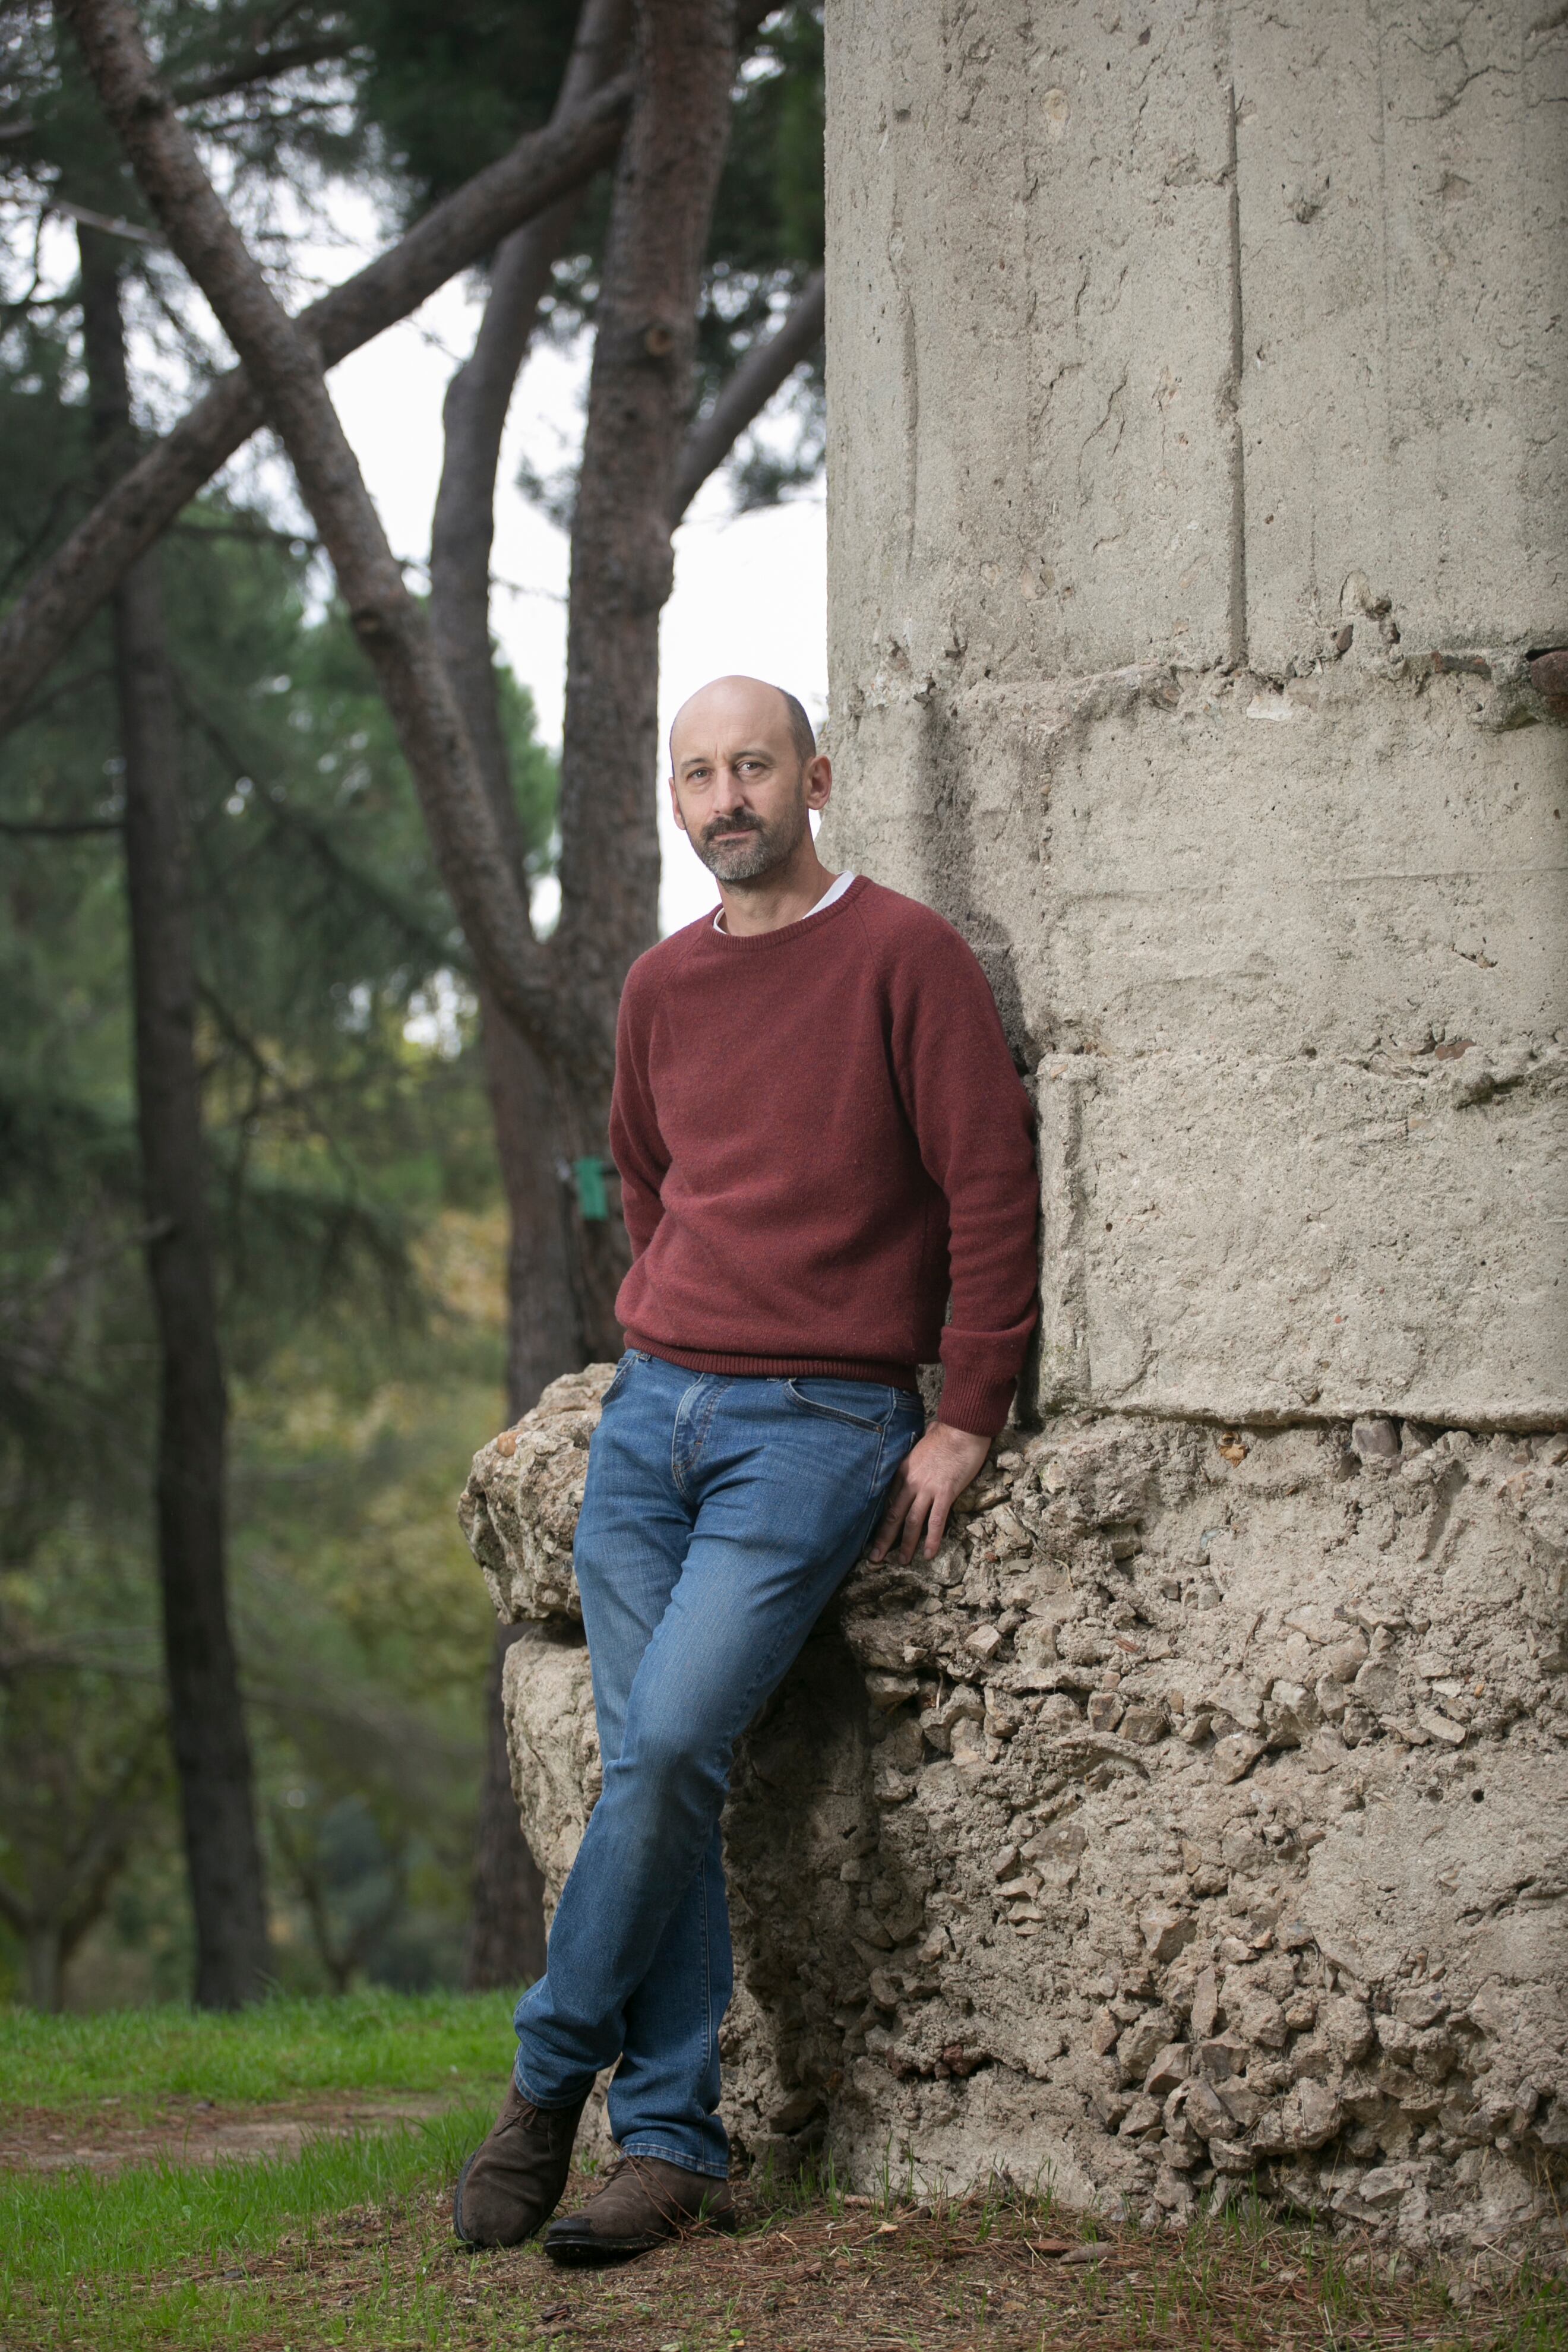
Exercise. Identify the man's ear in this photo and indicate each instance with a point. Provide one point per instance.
(818, 781)
(675, 805)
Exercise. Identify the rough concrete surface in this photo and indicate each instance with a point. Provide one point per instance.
(1190, 334)
(1198, 525)
(1198, 517)
(1197, 1818)
(1289, 966)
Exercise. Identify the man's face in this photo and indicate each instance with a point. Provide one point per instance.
(740, 791)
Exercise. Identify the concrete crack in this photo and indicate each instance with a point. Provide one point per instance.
(1237, 449)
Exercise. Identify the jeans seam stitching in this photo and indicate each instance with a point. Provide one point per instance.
(712, 1408)
(675, 1472)
(835, 1413)
(707, 1962)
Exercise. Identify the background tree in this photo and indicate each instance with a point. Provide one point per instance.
(753, 314)
(320, 932)
(78, 571)
(753, 293)
(206, 1717)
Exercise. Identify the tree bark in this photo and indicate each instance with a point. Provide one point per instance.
(505, 1943)
(506, 1916)
(551, 1320)
(475, 412)
(64, 592)
(390, 627)
(212, 1755)
(639, 401)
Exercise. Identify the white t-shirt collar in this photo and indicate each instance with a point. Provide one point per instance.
(830, 898)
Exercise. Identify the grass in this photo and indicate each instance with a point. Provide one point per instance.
(63, 2227)
(283, 2049)
(156, 2252)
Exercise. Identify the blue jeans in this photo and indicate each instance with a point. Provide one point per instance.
(720, 1515)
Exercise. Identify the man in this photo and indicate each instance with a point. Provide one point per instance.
(822, 1142)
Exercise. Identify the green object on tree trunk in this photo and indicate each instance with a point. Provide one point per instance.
(592, 1198)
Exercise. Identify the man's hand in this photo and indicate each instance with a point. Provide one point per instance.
(929, 1480)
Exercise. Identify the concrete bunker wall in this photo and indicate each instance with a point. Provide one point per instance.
(1194, 1820)
(1198, 510)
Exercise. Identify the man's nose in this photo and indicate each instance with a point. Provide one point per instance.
(727, 790)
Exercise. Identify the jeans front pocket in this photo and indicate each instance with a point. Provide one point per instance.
(621, 1375)
(863, 1405)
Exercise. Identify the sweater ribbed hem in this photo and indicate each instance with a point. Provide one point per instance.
(781, 1368)
(976, 1401)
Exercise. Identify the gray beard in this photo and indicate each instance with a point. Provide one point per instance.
(761, 852)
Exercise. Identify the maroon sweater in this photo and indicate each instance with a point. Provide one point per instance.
(821, 1138)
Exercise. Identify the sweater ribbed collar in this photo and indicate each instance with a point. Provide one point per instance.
(806, 927)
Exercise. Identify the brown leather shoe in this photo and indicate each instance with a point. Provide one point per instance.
(642, 2201)
(513, 2183)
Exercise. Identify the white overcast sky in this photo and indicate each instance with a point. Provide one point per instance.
(750, 592)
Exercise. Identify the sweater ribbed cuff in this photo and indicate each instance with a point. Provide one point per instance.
(976, 1402)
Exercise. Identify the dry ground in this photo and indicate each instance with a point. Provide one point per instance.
(1000, 2273)
(185, 2129)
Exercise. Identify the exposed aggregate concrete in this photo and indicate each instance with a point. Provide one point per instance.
(1195, 1819)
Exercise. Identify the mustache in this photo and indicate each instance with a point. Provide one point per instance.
(742, 821)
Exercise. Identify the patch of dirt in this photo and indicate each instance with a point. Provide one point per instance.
(107, 2136)
(975, 2277)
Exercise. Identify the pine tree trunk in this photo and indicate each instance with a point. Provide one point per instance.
(545, 1324)
(391, 624)
(639, 405)
(563, 1271)
(212, 1754)
(506, 1920)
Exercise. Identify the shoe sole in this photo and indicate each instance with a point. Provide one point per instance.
(589, 2251)
(457, 2230)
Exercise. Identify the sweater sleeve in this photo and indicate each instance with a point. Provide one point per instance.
(637, 1146)
(975, 1129)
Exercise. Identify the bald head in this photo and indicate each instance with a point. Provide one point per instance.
(741, 705)
(745, 776)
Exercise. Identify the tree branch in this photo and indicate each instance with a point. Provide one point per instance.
(111, 227)
(60, 832)
(473, 418)
(101, 1854)
(748, 392)
(262, 64)
(65, 593)
(391, 627)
